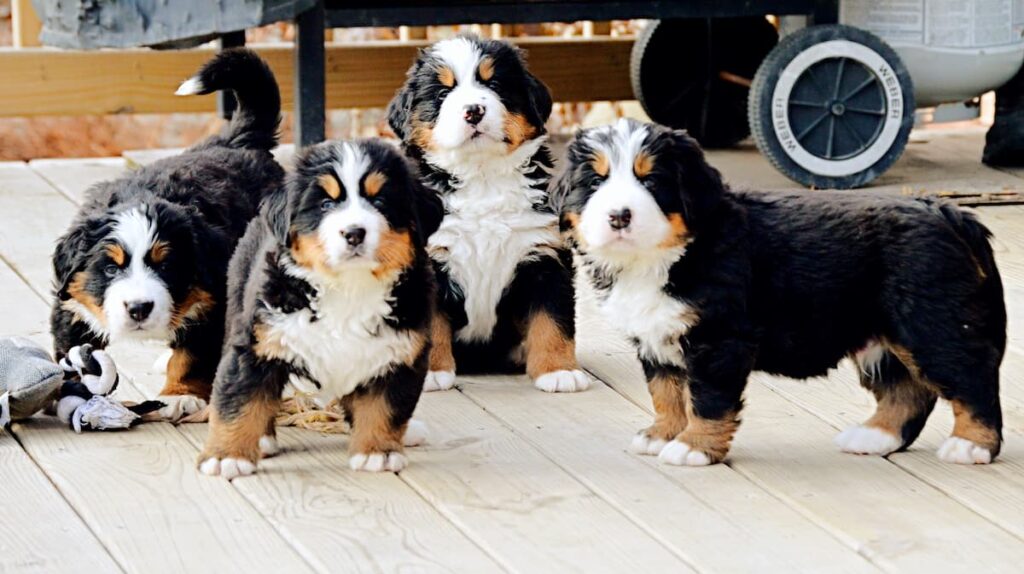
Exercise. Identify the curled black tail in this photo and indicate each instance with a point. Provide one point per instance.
(255, 122)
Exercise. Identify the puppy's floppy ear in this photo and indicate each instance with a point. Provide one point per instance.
(277, 213)
(563, 182)
(429, 209)
(700, 184)
(400, 107)
(540, 96)
(73, 248)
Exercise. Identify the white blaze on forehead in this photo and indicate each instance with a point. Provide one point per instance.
(461, 55)
(451, 131)
(621, 143)
(135, 231)
(351, 165)
(137, 282)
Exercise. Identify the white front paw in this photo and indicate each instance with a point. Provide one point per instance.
(867, 440)
(679, 453)
(269, 446)
(646, 444)
(179, 406)
(228, 468)
(962, 451)
(438, 381)
(415, 433)
(563, 382)
(378, 462)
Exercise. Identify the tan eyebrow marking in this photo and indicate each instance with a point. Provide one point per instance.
(643, 164)
(600, 163)
(486, 68)
(373, 182)
(446, 76)
(116, 252)
(159, 251)
(330, 185)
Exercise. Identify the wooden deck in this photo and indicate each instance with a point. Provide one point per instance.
(513, 479)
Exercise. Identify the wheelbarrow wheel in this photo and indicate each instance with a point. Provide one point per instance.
(832, 107)
(695, 74)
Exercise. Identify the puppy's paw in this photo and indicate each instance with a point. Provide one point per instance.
(644, 443)
(178, 407)
(416, 433)
(563, 382)
(269, 446)
(867, 440)
(962, 451)
(228, 468)
(438, 381)
(378, 461)
(679, 453)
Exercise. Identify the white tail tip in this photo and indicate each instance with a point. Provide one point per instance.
(190, 87)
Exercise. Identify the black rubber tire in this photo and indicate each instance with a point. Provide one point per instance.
(793, 162)
(674, 70)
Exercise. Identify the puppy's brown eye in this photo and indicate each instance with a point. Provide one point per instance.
(110, 270)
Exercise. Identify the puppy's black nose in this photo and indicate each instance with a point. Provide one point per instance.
(474, 113)
(139, 310)
(620, 219)
(354, 235)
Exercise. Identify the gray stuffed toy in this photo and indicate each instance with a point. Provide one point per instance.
(31, 381)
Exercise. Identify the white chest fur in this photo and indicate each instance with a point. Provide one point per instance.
(349, 343)
(490, 227)
(638, 305)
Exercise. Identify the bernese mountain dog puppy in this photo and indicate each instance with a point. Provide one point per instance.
(147, 255)
(472, 117)
(710, 284)
(331, 284)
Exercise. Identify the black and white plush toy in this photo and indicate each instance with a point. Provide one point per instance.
(30, 381)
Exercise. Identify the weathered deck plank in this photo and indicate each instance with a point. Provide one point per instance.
(694, 511)
(72, 177)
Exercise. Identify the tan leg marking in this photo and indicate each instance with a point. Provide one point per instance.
(670, 398)
(178, 380)
(547, 348)
(441, 357)
(240, 436)
(710, 436)
(967, 427)
(899, 405)
(372, 431)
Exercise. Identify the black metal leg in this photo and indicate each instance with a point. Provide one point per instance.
(826, 12)
(226, 100)
(309, 76)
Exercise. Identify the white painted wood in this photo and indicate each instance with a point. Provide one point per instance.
(72, 177)
(702, 514)
(518, 504)
(40, 531)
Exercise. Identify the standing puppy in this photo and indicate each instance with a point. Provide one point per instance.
(147, 255)
(332, 284)
(472, 117)
(710, 284)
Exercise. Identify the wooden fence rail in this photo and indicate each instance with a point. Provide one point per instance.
(41, 81)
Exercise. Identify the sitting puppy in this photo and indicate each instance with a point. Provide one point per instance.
(332, 284)
(710, 284)
(473, 118)
(147, 255)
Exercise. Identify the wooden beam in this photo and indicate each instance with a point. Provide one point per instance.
(56, 82)
(26, 24)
